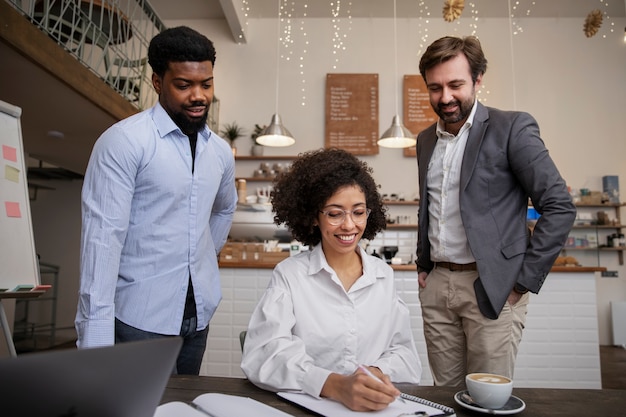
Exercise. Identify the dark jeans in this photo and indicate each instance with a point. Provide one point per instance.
(190, 356)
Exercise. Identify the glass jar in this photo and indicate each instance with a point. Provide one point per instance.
(616, 240)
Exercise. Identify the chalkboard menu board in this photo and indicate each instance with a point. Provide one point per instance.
(352, 113)
(418, 113)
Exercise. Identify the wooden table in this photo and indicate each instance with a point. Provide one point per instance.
(540, 402)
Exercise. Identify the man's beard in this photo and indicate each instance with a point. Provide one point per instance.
(190, 126)
(464, 108)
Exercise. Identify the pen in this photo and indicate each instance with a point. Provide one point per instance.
(371, 375)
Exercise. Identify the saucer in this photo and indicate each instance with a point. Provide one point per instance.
(513, 406)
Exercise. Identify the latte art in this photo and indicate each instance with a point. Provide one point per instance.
(490, 391)
(489, 378)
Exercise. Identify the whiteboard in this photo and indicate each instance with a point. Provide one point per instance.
(18, 259)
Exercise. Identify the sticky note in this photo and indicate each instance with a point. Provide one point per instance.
(9, 153)
(12, 208)
(11, 173)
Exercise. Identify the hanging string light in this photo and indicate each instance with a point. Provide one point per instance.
(338, 36)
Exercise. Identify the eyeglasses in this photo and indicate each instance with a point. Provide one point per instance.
(337, 216)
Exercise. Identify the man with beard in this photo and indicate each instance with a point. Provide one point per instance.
(476, 257)
(157, 205)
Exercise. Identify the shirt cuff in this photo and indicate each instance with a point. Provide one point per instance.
(313, 381)
(95, 333)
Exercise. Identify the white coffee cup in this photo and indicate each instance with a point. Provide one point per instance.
(489, 390)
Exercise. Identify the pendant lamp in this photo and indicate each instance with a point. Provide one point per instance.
(397, 136)
(276, 134)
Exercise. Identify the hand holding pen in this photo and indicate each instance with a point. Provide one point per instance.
(360, 391)
(399, 398)
(369, 373)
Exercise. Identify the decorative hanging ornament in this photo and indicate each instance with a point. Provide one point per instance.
(592, 23)
(452, 9)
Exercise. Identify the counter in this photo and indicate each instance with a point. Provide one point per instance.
(559, 349)
(405, 267)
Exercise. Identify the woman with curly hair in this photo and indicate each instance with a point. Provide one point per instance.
(328, 310)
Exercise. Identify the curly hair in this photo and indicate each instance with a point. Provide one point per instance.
(179, 44)
(448, 47)
(303, 190)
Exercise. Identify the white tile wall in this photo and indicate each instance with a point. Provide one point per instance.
(559, 349)
(560, 346)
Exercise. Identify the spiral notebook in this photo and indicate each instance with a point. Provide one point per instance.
(329, 408)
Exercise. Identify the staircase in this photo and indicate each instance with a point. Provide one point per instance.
(109, 37)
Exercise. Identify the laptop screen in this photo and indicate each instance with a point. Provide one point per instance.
(124, 380)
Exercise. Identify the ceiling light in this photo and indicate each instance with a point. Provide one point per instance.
(397, 136)
(276, 134)
(55, 134)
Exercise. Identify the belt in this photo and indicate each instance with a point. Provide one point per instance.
(456, 267)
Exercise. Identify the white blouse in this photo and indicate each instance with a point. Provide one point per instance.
(306, 326)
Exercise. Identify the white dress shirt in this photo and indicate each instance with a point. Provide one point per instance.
(446, 233)
(307, 326)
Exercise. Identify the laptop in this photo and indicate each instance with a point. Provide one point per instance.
(124, 380)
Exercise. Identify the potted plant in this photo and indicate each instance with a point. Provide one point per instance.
(231, 132)
(257, 148)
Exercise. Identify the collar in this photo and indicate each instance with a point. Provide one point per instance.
(165, 125)
(373, 268)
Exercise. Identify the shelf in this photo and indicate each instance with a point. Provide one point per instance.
(256, 179)
(264, 157)
(601, 248)
(599, 226)
(27, 330)
(602, 231)
(401, 226)
(601, 205)
(400, 203)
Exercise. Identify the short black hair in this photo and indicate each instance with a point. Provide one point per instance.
(303, 190)
(179, 44)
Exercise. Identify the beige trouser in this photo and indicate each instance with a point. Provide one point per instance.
(459, 339)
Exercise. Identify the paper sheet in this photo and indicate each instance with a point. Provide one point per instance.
(331, 408)
(177, 409)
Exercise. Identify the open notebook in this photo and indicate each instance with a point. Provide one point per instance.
(329, 408)
(218, 405)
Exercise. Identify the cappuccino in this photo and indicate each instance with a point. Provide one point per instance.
(490, 378)
(489, 390)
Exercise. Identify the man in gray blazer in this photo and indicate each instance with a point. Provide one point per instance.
(476, 257)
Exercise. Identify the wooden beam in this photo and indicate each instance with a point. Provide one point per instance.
(235, 18)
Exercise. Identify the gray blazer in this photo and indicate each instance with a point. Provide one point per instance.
(505, 163)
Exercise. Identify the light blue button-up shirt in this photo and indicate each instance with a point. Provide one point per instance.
(148, 223)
